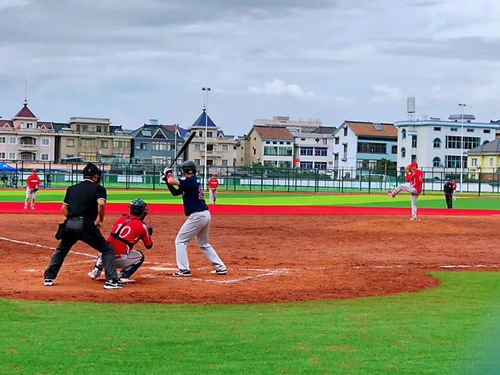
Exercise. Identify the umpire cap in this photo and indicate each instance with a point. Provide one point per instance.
(91, 170)
(188, 167)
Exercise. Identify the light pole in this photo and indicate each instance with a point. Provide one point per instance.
(461, 105)
(205, 104)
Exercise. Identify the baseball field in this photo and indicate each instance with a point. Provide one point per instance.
(317, 284)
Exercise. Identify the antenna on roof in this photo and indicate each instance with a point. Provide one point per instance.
(25, 90)
(410, 107)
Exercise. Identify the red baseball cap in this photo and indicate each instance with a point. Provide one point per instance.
(34, 170)
(414, 164)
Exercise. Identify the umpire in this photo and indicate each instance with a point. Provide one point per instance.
(83, 208)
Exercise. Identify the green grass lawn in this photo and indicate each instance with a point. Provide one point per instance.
(245, 198)
(453, 329)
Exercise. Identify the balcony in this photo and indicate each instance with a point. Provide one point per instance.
(26, 147)
(212, 153)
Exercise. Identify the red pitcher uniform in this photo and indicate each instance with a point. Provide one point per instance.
(32, 186)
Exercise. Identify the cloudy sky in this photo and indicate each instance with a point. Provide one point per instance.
(333, 60)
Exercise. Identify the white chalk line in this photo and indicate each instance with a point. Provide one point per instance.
(446, 266)
(45, 247)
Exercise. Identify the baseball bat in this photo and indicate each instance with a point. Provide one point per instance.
(183, 148)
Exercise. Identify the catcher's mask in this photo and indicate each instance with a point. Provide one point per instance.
(188, 167)
(138, 208)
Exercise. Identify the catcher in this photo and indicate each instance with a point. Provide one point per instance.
(32, 186)
(126, 232)
(415, 179)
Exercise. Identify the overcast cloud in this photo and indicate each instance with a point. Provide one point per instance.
(332, 60)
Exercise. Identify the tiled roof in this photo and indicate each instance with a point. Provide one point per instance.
(492, 147)
(273, 132)
(25, 112)
(200, 121)
(368, 128)
(4, 122)
(48, 125)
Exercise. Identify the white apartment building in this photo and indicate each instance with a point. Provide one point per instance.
(26, 138)
(437, 144)
(313, 150)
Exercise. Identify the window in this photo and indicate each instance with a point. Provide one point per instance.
(413, 157)
(156, 146)
(474, 162)
(490, 162)
(403, 134)
(29, 125)
(224, 163)
(125, 144)
(344, 157)
(436, 162)
(320, 165)
(470, 130)
(469, 142)
(45, 142)
(224, 148)
(414, 141)
(437, 143)
(104, 144)
(197, 147)
(200, 134)
(44, 156)
(270, 150)
(372, 148)
(12, 140)
(437, 128)
(336, 140)
(394, 149)
(2, 155)
(70, 143)
(486, 131)
(306, 164)
(345, 131)
(12, 155)
(320, 151)
(86, 142)
(284, 164)
(453, 161)
(454, 129)
(197, 162)
(2, 139)
(209, 134)
(285, 151)
(210, 148)
(403, 152)
(306, 151)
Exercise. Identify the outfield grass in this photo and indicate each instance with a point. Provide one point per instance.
(245, 198)
(452, 329)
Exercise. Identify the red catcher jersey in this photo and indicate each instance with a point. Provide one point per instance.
(132, 232)
(416, 179)
(33, 181)
(213, 183)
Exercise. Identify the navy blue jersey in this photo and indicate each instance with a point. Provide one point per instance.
(192, 195)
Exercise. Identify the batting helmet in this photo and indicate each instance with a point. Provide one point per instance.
(138, 207)
(188, 167)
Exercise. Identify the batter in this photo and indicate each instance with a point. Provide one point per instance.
(198, 221)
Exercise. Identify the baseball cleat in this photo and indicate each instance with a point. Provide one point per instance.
(48, 282)
(92, 275)
(125, 280)
(414, 218)
(219, 272)
(389, 192)
(113, 284)
(182, 273)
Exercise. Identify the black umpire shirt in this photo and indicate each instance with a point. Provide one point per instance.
(81, 199)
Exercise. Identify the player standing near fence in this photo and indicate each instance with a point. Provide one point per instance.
(32, 186)
(414, 178)
(198, 221)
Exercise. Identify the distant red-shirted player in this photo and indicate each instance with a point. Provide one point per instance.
(213, 183)
(126, 232)
(415, 177)
(32, 186)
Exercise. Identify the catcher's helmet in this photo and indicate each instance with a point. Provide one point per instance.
(138, 207)
(188, 167)
(91, 170)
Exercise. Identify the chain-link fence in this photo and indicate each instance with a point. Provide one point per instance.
(147, 176)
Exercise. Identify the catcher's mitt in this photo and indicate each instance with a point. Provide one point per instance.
(34, 190)
(407, 169)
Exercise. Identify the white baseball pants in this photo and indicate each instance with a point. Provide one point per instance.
(197, 225)
(413, 195)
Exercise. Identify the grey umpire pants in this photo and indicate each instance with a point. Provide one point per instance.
(413, 194)
(92, 237)
(197, 225)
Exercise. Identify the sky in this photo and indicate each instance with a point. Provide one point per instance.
(332, 60)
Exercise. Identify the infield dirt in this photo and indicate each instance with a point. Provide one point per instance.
(270, 258)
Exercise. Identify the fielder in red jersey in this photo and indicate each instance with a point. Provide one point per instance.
(127, 231)
(213, 184)
(415, 177)
(32, 186)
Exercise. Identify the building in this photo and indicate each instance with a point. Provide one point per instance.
(360, 145)
(437, 143)
(221, 149)
(26, 138)
(156, 143)
(270, 146)
(313, 150)
(485, 159)
(92, 139)
(292, 125)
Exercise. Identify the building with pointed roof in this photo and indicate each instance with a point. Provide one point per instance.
(157, 143)
(269, 145)
(26, 138)
(220, 148)
(359, 145)
(485, 159)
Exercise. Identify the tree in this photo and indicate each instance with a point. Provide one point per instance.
(385, 166)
